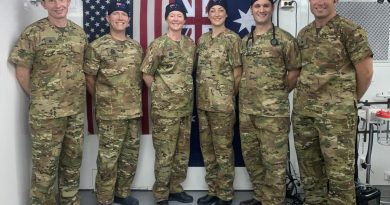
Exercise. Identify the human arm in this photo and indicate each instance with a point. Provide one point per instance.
(150, 63)
(91, 80)
(148, 79)
(293, 63)
(292, 78)
(237, 72)
(23, 75)
(91, 68)
(364, 71)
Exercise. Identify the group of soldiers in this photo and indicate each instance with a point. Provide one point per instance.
(331, 57)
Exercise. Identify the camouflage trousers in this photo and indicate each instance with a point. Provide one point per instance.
(264, 143)
(171, 141)
(117, 158)
(56, 152)
(325, 148)
(216, 137)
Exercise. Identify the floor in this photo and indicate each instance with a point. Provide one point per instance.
(385, 194)
(146, 197)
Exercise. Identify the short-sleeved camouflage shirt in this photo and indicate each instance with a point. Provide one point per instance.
(55, 56)
(217, 59)
(116, 65)
(263, 86)
(171, 64)
(327, 82)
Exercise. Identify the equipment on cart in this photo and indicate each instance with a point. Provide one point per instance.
(383, 136)
(376, 121)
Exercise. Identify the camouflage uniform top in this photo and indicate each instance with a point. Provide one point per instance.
(55, 56)
(327, 82)
(217, 58)
(171, 63)
(116, 65)
(263, 86)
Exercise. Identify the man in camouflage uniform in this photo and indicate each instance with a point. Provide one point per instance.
(217, 76)
(337, 70)
(112, 68)
(167, 70)
(271, 65)
(49, 58)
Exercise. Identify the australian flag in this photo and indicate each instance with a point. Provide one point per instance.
(239, 20)
(147, 23)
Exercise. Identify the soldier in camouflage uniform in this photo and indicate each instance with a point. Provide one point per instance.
(49, 58)
(217, 76)
(112, 67)
(271, 65)
(167, 70)
(337, 69)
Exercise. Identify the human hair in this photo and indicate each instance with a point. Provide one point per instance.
(253, 1)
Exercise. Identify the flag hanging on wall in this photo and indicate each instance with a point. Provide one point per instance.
(148, 23)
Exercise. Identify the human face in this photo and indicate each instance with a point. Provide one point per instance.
(175, 20)
(118, 21)
(56, 9)
(323, 9)
(262, 12)
(217, 15)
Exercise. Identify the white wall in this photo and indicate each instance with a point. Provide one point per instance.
(14, 136)
(15, 151)
(380, 154)
(288, 23)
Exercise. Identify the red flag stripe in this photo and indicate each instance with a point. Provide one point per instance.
(143, 26)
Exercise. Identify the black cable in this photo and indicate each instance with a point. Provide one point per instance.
(277, 13)
(292, 182)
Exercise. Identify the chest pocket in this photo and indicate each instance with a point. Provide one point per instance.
(112, 63)
(273, 57)
(331, 52)
(170, 59)
(49, 46)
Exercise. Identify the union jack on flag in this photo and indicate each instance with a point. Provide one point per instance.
(148, 23)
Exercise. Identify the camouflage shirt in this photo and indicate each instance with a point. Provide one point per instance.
(171, 63)
(263, 86)
(116, 65)
(55, 56)
(327, 82)
(217, 59)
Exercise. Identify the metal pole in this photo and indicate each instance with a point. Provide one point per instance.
(369, 152)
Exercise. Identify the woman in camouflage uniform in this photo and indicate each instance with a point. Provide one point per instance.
(217, 77)
(112, 68)
(167, 70)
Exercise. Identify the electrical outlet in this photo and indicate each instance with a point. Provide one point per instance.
(387, 175)
(286, 4)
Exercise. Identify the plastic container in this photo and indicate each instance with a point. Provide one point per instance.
(383, 136)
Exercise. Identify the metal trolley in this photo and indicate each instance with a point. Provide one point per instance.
(375, 118)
